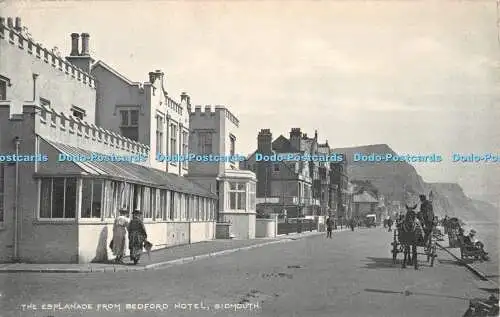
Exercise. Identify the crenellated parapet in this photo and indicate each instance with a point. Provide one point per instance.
(15, 37)
(68, 127)
(212, 111)
(173, 105)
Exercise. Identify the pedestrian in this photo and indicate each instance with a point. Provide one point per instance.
(117, 244)
(329, 227)
(136, 236)
(389, 224)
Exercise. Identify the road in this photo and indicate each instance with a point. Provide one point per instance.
(350, 275)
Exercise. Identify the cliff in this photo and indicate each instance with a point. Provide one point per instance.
(400, 181)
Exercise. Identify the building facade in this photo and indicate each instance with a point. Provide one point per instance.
(214, 131)
(62, 211)
(286, 186)
(339, 193)
(144, 112)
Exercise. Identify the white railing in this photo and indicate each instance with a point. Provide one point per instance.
(73, 131)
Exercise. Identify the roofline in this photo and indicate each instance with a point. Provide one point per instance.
(116, 73)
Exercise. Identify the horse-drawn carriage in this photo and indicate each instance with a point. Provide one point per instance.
(409, 233)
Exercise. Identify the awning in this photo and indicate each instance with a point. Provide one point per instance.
(134, 173)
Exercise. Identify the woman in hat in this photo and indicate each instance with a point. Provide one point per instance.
(119, 232)
(136, 236)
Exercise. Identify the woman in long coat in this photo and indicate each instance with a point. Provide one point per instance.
(137, 236)
(119, 233)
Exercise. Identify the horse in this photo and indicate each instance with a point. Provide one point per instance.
(409, 234)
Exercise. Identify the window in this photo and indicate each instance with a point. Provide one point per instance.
(237, 196)
(153, 205)
(172, 206)
(2, 189)
(146, 206)
(173, 139)
(232, 140)
(92, 191)
(159, 134)
(196, 214)
(112, 201)
(3, 89)
(77, 112)
(161, 211)
(204, 143)
(58, 198)
(276, 167)
(185, 145)
(252, 195)
(138, 190)
(129, 124)
(203, 209)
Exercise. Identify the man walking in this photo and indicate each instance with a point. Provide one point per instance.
(329, 227)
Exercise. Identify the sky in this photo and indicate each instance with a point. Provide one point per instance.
(420, 76)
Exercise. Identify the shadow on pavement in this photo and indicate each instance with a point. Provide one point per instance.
(490, 290)
(450, 262)
(381, 263)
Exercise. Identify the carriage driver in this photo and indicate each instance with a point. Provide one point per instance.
(427, 216)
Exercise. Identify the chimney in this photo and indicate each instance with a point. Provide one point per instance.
(295, 136)
(185, 96)
(18, 24)
(265, 141)
(154, 76)
(85, 44)
(263, 168)
(10, 24)
(74, 44)
(316, 134)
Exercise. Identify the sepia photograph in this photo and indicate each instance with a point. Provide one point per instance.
(249, 158)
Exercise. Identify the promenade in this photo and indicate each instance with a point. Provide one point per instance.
(349, 275)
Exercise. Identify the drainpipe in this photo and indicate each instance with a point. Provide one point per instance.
(17, 142)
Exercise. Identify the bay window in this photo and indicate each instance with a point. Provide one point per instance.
(58, 198)
(237, 196)
(252, 196)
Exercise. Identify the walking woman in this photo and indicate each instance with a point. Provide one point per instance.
(136, 236)
(119, 232)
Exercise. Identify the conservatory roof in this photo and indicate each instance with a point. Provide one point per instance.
(134, 173)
